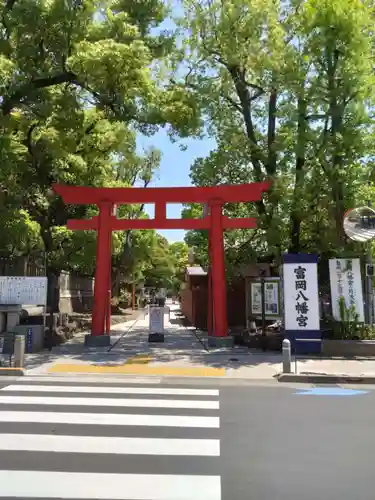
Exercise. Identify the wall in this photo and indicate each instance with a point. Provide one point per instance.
(76, 293)
(348, 348)
(187, 304)
(236, 300)
(194, 305)
(200, 307)
(21, 266)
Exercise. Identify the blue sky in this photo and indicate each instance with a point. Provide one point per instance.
(174, 169)
(175, 164)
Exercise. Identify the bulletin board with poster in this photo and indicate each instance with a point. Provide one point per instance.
(272, 298)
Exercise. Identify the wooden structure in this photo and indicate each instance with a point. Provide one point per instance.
(194, 299)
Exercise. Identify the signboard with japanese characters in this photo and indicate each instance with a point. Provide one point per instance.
(271, 296)
(23, 290)
(345, 279)
(301, 299)
(156, 320)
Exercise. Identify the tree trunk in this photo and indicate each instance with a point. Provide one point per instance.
(53, 288)
(295, 216)
(339, 211)
(336, 113)
(53, 303)
(116, 281)
(271, 166)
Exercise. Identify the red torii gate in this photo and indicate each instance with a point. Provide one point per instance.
(214, 221)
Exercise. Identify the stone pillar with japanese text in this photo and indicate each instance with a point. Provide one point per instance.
(301, 302)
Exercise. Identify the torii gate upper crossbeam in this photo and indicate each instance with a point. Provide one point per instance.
(239, 193)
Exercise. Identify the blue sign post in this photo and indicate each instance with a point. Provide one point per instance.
(29, 340)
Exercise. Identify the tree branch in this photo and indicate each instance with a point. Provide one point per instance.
(254, 86)
(28, 142)
(231, 101)
(350, 98)
(10, 4)
(316, 117)
(318, 152)
(24, 92)
(7, 9)
(245, 100)
(37, 83)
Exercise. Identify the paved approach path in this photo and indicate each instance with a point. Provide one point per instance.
(182, 354)
(108, 441)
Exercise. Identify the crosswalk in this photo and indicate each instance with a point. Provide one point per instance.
(108, 441)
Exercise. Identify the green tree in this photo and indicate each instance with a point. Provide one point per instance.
(100, 51)
(161, 269)
(179, 252)
(286, 88)
(20, 234)
(78, 81)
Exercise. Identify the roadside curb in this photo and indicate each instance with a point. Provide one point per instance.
(325, 379)
(126, 376)
(136, 369)
(11, 372)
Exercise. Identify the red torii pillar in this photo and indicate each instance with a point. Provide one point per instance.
(106, 222)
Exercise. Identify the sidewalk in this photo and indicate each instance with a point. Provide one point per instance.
(182, 354)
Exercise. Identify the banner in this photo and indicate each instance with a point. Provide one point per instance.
(346, 282)
(301, 301)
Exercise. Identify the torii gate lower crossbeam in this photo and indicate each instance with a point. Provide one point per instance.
(214, 221)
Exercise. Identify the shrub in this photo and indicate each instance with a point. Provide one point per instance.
(349, 328)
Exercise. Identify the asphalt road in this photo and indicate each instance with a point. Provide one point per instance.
(277, 445)
(191, 440)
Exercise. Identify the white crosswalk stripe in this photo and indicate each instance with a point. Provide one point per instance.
(109, 441)
(134, 403)
(27, 484)
(110, 419)
(113, 390)
(113, 445)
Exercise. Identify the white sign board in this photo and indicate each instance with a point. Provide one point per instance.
(23, 290)
(301, 299)
(271, 296)
(345, 279)
(156, 319)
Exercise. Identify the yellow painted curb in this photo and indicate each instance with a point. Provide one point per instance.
(138, 370)
(138, 360)
(11, 371)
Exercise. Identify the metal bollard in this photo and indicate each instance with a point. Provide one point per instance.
(287, 357)
(19, 351)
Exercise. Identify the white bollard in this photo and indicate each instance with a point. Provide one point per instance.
(19, 351)
(287, 357)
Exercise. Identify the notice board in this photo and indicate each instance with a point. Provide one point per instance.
(20, 290)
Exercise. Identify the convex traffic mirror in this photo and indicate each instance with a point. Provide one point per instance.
(359, 224)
